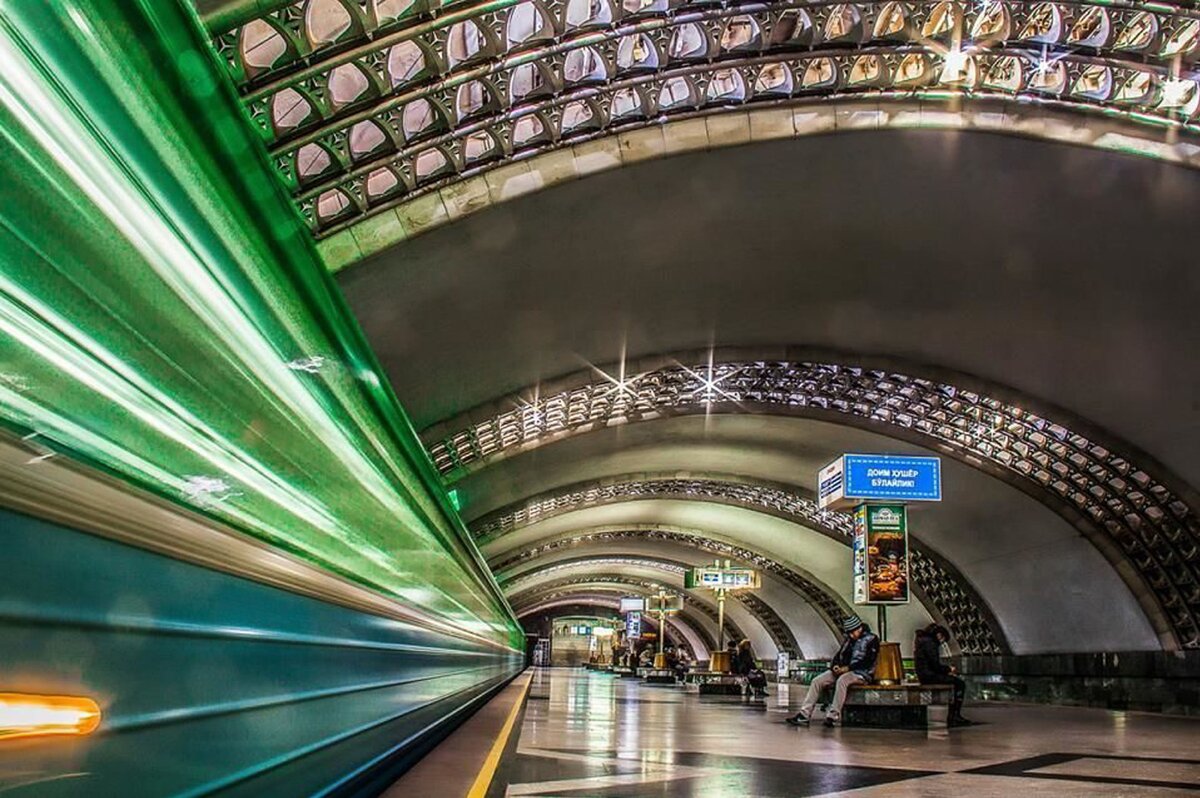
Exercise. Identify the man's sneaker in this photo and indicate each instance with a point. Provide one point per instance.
(797, 720)
(959, 722)
(830, 722)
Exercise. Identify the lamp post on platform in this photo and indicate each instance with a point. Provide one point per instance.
(722, 579)
(662, 610)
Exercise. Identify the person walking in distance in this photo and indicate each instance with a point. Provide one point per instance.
(853, 664)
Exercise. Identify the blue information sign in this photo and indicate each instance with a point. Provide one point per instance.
(893, 477)
(855, 478)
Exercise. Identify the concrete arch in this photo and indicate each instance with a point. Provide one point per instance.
(770, 544)
(774, 73)
(740, 622)
(702, 616)
(345, 246)
(1031, 327)
(1018, 574)
(780, 632)
(697, 638)
(800, 587)
(1124, 505)
(937, 583)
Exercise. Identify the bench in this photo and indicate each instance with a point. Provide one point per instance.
(713, 682)
(659, 676)
(892, 706)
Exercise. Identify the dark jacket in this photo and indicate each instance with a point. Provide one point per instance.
(744, 662)
(928, 659)
(859, 655)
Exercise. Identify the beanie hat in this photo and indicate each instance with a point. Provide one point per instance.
(850, 623)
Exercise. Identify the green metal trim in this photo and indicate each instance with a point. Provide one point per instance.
(220, 16)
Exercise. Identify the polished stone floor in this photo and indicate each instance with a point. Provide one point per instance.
(595, 735)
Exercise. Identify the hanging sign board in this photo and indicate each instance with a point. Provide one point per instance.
(880, 554)
(854, 478)
(632, 604)
(728, 578)
(669, 604)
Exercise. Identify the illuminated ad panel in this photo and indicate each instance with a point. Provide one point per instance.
(881, 554)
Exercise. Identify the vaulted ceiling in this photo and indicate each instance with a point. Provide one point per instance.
(641, 370)
(965, 294)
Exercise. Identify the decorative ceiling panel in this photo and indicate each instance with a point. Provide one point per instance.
(366, 104)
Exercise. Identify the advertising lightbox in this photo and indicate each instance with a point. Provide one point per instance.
(881, 554)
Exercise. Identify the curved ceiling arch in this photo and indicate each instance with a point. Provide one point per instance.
(700, 611)
(1042, 582)
(677, 59)
(948, 595)
(815, 627)
(739, 622)
(812, 565)
(697, 637)
(1118, 497)
(505, 554)
(766, 615)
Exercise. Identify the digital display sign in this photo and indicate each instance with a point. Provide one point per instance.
(722, 578)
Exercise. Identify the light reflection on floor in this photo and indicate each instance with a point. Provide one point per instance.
(596, 735)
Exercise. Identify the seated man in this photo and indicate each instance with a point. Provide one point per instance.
(931, 669)
(853, 664)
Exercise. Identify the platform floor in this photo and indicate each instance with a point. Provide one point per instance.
(591, 734)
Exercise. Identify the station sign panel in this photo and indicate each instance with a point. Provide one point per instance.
(668, 604)
(715, 578)
(633, 625)
(855, 478)
(632, 604)
(881, 554)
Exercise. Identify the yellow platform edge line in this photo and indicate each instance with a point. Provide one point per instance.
(488, 771)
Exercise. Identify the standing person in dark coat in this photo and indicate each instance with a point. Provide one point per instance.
(931, 670)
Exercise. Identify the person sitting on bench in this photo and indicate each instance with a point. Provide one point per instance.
(745, 665)
(930, 669)
(853, 664)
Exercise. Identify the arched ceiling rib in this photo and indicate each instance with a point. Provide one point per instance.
(939, 585)
(622, 585)
(681, 624)
(782, 550)
(636, 585)
(814, 630)
(780, 634)
(1126, 505)
(762, 611)
(1034, 569)
(825, 601)
(365, 104)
